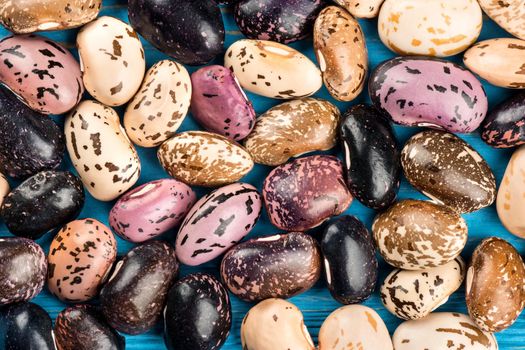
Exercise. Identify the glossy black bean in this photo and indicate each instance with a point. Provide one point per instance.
(23, 269)
(351, 266)
(372, 162)
(25, 326)
(42, 203)
(504, 126)
(191, 31)
(133, 298)
(198, 314)
(29, 141)
(283, 21)
(83, 327)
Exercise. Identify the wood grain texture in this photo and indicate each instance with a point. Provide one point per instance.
(317, 303)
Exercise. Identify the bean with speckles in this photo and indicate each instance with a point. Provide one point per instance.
(428, 92)
(293, 128)
(112, 58)
(219, 104)
(160, 106)
(412, 295)
(275, 316)
(23, 272)
(504, 126)
(204, 159)
(278, 266)
(439, 330)
(340, 47)
(100, 151)
(80, 258)
(30, 142)
(217, 222)
(495, 287)
(151, 209)
(303, 193)
(449, 171)
(499, 61)
(283, 21)
(272, 70)
(134, 297)
(27, 16)
(417, 235)
(354, 324)
(43, 203)
(43, 73)
(83, 327)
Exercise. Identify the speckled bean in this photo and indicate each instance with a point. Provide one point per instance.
(303, 193)
(219, 104)
(160, 105)
(217, 222)
(278, 266)
(41, 72)
(100, 151)
(112, 60)
(293, 128)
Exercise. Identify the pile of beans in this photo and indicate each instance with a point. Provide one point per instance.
(421, 239)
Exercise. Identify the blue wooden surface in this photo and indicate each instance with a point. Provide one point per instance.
(317, 303)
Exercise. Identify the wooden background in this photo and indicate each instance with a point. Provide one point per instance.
(317, 303)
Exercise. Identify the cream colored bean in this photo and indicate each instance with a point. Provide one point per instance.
(441, 330)
(499, 61)
(361, 8)
(510, 202)
(509, 14)
(275, 324)
(160, 106)
(431, 27)
(101, 152)
(273, 70)
(358, 325)
(112, 60)
(412, 295)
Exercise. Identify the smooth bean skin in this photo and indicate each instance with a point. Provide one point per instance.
(192, 32)
(351, 267)
(25, 326)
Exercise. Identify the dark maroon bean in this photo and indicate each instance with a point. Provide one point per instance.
(83, 327)
(283, 21)
(42, 203)
(504, 127)
(278, 266)
(134, 296)
(25, 326)
(23, 269)
(305, 192)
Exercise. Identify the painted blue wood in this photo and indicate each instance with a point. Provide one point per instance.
(317, 303)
